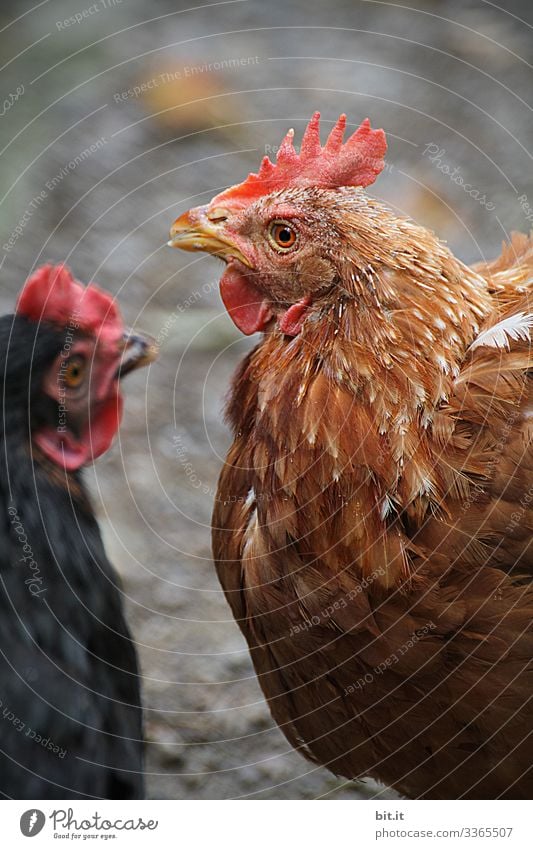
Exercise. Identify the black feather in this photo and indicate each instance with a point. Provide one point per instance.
(70, 709)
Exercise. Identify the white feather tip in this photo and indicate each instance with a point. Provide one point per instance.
(513, 328)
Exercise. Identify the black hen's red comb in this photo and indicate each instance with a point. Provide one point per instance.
(52, 294)
(355, 162)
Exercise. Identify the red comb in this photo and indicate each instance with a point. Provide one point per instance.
(356, 162)
(51, 294)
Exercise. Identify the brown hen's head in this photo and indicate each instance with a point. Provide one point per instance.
(288, 231)
(78, 352)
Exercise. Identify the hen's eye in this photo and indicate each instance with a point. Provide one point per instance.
(282, 236)
(73, 372)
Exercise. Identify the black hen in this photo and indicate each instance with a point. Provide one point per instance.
(70, 709)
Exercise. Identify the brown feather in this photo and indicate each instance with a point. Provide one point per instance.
(373, 522)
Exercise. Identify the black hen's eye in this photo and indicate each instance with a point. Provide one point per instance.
(282, 235)
(73, 372)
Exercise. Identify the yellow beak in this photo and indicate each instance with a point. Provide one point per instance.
(201, 229)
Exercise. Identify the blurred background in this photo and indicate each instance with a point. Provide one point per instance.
(117, 116)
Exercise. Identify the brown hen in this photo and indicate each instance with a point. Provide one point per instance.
(374, 516)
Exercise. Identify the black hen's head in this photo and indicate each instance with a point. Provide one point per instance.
(61, 357)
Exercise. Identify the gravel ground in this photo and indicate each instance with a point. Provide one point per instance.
(133, 113)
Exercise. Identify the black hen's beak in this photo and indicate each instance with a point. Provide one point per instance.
(139, 350)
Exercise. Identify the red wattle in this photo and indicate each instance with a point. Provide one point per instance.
(72, 452)
(244, 302)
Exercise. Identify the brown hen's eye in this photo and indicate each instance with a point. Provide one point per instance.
(282, 235)
(74, 372)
